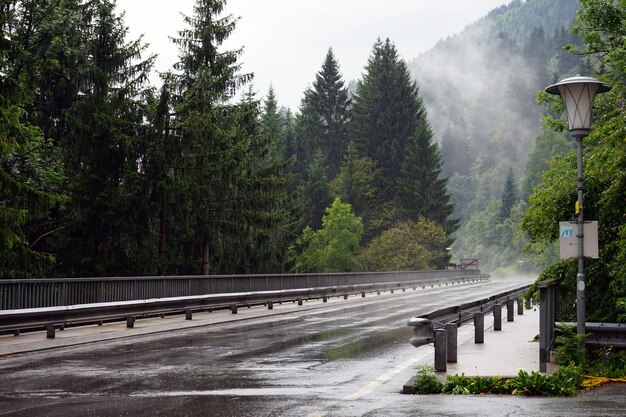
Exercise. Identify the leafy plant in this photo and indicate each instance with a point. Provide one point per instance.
(563, 383)
(456, 384)
(567, 346)
(426, 382)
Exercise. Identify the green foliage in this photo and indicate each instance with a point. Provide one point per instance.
(333, 247)
(386, 113)
(408, 245)
(565, 382)
(426, 382)
(421, 190)
(462, 385)
(355, 181)
(567, 342)
(314, 192)
(604, 362)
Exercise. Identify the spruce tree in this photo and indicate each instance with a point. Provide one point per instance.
(233, 188)
(314, 192)
(324, 116)
(421, 190)
(386, 112)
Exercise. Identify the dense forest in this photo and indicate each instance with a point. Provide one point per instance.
(446, 154)
(103, 174)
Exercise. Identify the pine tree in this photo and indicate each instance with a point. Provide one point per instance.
(234, 187)
(31, 169)
(421, 190)
(355, 182)
(386, 112)
(106, 232)
(509, 196)
(330, 100)
(314, 192)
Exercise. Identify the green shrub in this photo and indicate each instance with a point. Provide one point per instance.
(426, 382)
(563, 383)
(456, 384)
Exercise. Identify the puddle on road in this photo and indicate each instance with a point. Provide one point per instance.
(367, 344)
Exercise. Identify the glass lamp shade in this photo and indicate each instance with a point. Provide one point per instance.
(578, 94)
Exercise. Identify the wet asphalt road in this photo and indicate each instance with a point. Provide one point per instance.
(345, 359)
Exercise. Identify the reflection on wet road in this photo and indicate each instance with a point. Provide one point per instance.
(342, 359)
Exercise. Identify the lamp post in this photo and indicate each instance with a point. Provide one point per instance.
(578, 94)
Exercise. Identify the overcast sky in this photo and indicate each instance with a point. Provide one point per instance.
(285, 41)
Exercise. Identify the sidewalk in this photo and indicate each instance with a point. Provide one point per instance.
(504, 353)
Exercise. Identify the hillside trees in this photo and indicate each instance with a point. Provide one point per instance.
(600, 23)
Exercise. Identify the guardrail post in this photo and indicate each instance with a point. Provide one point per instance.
(520, 307)
(479, 327)
(363, 294)
(299, 301)
(497, 317)
(130, 322)
(324, 299)
(546, 322)
(188, 314)
(345, 296)
(233, 308)
(528, 303)
(510, 309)
(440, 350)
(50, 331)
(451, 335)
(270, 305)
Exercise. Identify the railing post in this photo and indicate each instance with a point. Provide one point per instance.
(50, 331)
(510, 309)
(544, 318)
(451, 335)
(497, 317)
(520, 307)
(479, 327)
(440, 350)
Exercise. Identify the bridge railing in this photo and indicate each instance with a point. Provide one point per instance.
(52, 292)
(16, 320)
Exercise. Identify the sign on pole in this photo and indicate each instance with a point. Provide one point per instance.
(568, 238)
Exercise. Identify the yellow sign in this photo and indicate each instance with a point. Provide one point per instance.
(577, 207)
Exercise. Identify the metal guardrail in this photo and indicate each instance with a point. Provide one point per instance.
(20, 319)
(441, 325)
(599, 334)
(463, 313)
(35, 293)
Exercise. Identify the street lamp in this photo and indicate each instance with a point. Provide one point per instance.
(578, 94)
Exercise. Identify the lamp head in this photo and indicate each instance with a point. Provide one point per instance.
(578, 94)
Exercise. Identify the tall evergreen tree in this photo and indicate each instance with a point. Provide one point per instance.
(31, 169)
(421, 190)
(330, 101)
(509, 196)
(386, 112)
(234, 191)
(314, 192)
(106, 229)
